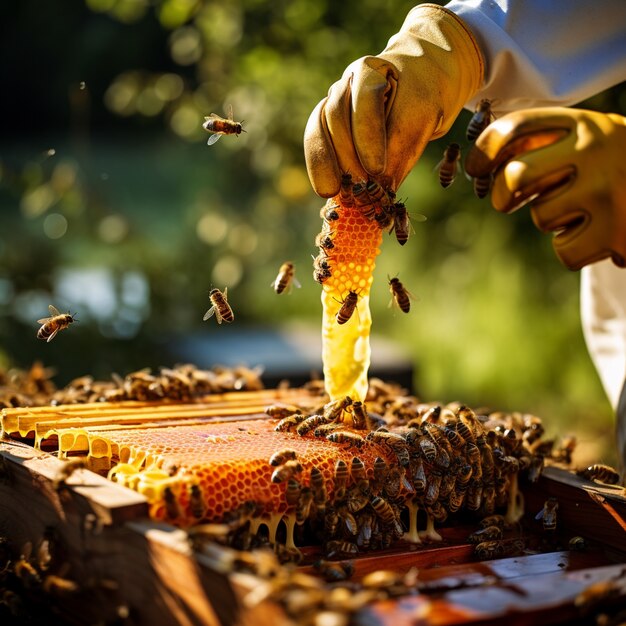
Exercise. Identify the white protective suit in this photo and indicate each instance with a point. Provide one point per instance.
(557, 53)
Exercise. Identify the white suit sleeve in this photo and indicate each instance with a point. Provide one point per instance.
(540, 53)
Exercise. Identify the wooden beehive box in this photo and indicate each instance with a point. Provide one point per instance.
(131, 570)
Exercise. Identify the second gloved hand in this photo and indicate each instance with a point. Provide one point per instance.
(569, 163)
(380, 115)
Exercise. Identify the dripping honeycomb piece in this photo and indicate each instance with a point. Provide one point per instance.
(345, 347)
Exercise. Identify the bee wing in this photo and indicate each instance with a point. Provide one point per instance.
(218, 316)
(44, 320)
(213, 139)
(53, 310)
(540, 514)
(208, 314)
(53, 335)
(213, 116)
(295, 282)
(229, 111)
(418, 217)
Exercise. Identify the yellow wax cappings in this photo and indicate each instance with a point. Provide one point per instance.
(346, 347)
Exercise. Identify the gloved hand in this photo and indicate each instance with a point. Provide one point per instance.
(378, 118)
(570, 164)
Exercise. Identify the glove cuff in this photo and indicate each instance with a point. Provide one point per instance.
(448, 41)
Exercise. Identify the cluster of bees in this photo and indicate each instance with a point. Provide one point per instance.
(450, 164)
(181, 383)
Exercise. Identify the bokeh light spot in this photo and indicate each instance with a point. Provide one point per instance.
(211, 228)
(227, 271)
(55, 226)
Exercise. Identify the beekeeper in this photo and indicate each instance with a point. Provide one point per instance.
(532, 59)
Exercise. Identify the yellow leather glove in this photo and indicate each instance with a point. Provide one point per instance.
(378, 118)
(570, 164)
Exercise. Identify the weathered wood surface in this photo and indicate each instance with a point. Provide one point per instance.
(123, 561)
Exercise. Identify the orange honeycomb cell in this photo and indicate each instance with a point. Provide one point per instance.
(230, 463)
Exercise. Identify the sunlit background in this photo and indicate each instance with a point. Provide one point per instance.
(113, 206)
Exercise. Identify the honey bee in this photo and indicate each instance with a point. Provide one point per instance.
(548, 514)
(363, 201)
(278, 458)
(492, 520)
(357, 470)
(489, 550)
(280, 411)
(600, 473)
(480, 120)
(310, 423)
(482, 185)
(401, 296)
(489, 533)
(345, 191)
(342, 474)
(380, 475)
(305, 502)
(320, 276)
(334, 571)
(358, 497)
(324, 240)
(66, 470)
(401, 222)
(341, 548)
(366, 522)
(286, 471)
(318, 486)
(220, 307)
(286, 278)
(386, 513)
(565, 450)
(349, 521)
(448, 166)
(428, 450)
(344, 436)
(329, 212)
(359, 415)
(287, 423)
(292, 493)
(196, 501)
(333, 410)
(220, 126)
(53, 324)
(578, 544)
(171, 503)
(325, 429)
(385, 218)
(348, 306)
(377, 194)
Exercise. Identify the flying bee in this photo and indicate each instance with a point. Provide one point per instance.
(329, 212)
(324, 240)
(286, 278)
(196, 501)
(482, 185)
(449, 166)
(287, 423)
(345, 190)
(348, 306)
(344, 436)
(310, 423)
(220, 126)
(363, 201)
(286, 471)
(171, 503)
(53, 324)
(401, 296)
(600, 473)
(279, 457)
(480, 120)
(220, 307)
(548, 514)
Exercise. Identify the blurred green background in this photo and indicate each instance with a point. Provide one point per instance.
(113, 205)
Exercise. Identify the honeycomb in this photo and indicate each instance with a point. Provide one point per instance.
(345, 347)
